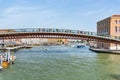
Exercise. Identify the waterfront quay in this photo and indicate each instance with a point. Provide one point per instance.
(11, 48)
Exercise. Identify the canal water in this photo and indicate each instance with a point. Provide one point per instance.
(62, 63)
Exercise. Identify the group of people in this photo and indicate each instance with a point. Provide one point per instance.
(3, 57)
(6, 57)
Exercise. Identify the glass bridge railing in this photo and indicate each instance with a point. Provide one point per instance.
(67, 31)
(55, 31)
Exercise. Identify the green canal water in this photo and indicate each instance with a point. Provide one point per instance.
(62, 63)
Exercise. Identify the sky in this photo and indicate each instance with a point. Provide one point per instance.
(61, 14)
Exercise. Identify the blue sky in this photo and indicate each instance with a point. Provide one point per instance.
(65, 14)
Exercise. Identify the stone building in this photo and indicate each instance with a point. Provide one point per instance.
(109, 27)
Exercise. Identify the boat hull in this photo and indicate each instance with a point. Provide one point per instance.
(80, 46)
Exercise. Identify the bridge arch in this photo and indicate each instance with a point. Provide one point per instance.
(56, 33)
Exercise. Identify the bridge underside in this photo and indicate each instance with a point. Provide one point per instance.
(58, 36)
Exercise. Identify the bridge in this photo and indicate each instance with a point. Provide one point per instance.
(56, 33)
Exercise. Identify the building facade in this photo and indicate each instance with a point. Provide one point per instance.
(57, 41)
(109, 27)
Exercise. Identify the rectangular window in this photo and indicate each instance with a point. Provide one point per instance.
(115, 21)
(115, 28)
(119, 28)
(107, 29)
(115, 37)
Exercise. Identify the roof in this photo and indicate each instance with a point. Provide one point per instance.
(116, 15)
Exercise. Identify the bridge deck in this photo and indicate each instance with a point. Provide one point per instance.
(55, 33)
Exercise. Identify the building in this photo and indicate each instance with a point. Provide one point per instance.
(57, 41)
(6, 30)
(109, 27)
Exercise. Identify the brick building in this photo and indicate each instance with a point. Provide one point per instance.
(109, 27)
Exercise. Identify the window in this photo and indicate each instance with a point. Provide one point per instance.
(116, 21)
(98, 24)
(115, 37)
(99, 31)
(107, 29)
(119, 28)
(104, 23)
(115, 28)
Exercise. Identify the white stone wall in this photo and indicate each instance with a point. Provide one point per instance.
(34, 41)
(115, 47)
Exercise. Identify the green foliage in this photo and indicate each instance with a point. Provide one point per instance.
(59, 41)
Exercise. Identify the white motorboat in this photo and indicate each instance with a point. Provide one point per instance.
(78, 45)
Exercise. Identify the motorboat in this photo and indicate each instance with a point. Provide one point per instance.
(78, 45)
